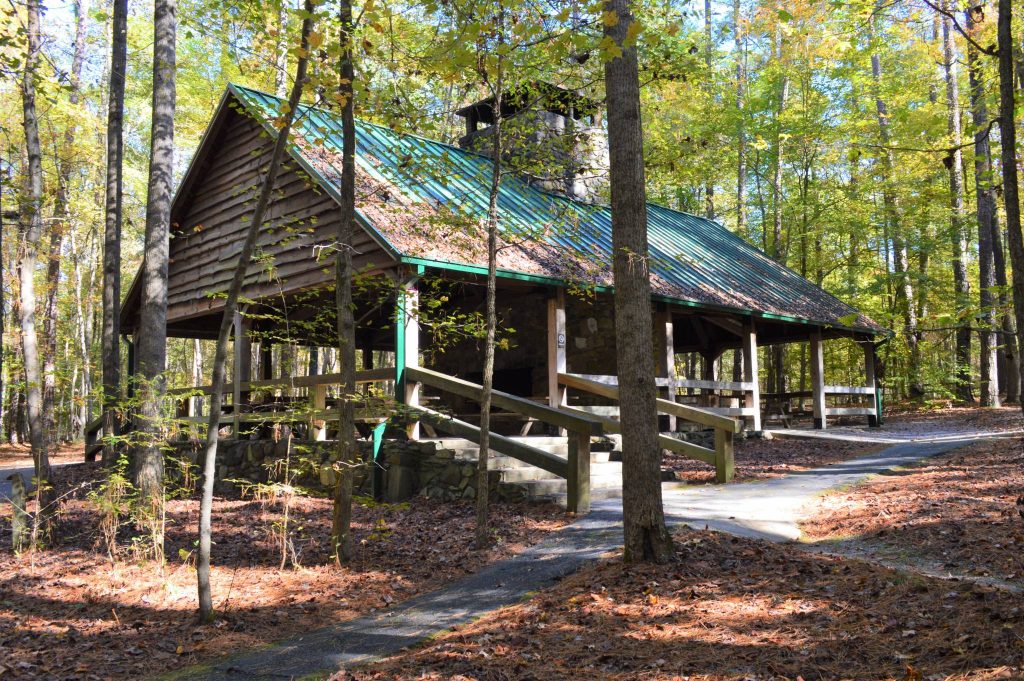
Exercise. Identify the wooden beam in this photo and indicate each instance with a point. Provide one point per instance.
(665, 354)
(578, 479)
(874, 420)
(683, 411)
(556, 347)
(752, 397)
(818, 379)
(502, 400)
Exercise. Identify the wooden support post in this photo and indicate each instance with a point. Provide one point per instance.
(725, 463)
(132, 369)
(874, 421)
(317, 425)
(665, 354)
(818, 379)
(709, 372)
(236, 374)
(556, 348)
(266, 361)
(407, 349)
(578, 482)
(751, 397)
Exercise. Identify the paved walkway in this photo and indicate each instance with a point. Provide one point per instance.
(767, 509)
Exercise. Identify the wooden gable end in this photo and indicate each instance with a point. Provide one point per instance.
(212, 213)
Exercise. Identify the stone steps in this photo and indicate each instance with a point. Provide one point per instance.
(520, 479)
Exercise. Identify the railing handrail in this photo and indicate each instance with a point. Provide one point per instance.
(686, 412)
(366, 376)
(520, 405)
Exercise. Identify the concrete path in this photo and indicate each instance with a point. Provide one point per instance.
(766, 509)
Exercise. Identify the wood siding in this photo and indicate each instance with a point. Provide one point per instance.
(212, 214)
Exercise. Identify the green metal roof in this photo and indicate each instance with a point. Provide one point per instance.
(426, 201)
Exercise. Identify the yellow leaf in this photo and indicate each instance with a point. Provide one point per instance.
(632, 32)
(315, 40)
(609, 18)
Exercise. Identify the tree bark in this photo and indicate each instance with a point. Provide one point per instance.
(490, 312)
(348, 456)
(151, 349)
(111, 341)
(741, 131)
(778, 364)
(1008, 134)
(646, 537)
(37, 418)
(227, 318)
(957, 215)
(987, 227)
(901, 265)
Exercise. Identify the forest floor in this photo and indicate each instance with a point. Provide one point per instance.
(958, 514)
(745, 609)
(733, 609)
(69, 612)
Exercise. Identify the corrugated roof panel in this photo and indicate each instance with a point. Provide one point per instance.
(407, 184)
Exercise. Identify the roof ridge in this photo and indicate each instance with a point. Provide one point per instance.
(470, 152)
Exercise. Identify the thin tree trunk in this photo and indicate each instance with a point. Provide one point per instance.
(986, 211)
(646, 537)
(709, 50)
(1008, 133)
(491, 322)
(778, 252)
(741, 132)
(230, 308)
(904, 288)
(281, 51)
(151, 349)
(348, 456)
(37, 418)
(957, 214)
(112, 229)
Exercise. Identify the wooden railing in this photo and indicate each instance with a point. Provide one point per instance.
(314, 410)
(702, 386)
(580, 428)
(721, 457)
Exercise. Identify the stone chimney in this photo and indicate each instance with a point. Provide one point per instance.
(552, 137)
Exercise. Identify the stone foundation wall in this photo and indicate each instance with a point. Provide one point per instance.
(411, 468)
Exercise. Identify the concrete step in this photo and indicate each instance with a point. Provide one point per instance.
(608, 469)
(464, 450)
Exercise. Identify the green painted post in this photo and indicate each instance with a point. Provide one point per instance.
(377, 477)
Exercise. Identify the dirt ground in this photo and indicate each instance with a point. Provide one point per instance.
(15, 456)
(68, 612)
(732, 609)
(959, 513)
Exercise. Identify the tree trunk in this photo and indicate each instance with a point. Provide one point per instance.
(230, 309)
(709, 51)
(904, 288)
(1008, 133)
(490, 313)
(741, 132)
(646, 537)
(151, 349)
(957, 215)
(112, 230)
(37, 418)
(987, 230)
(348, 456)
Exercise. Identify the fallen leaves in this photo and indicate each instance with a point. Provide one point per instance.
(69, 613)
